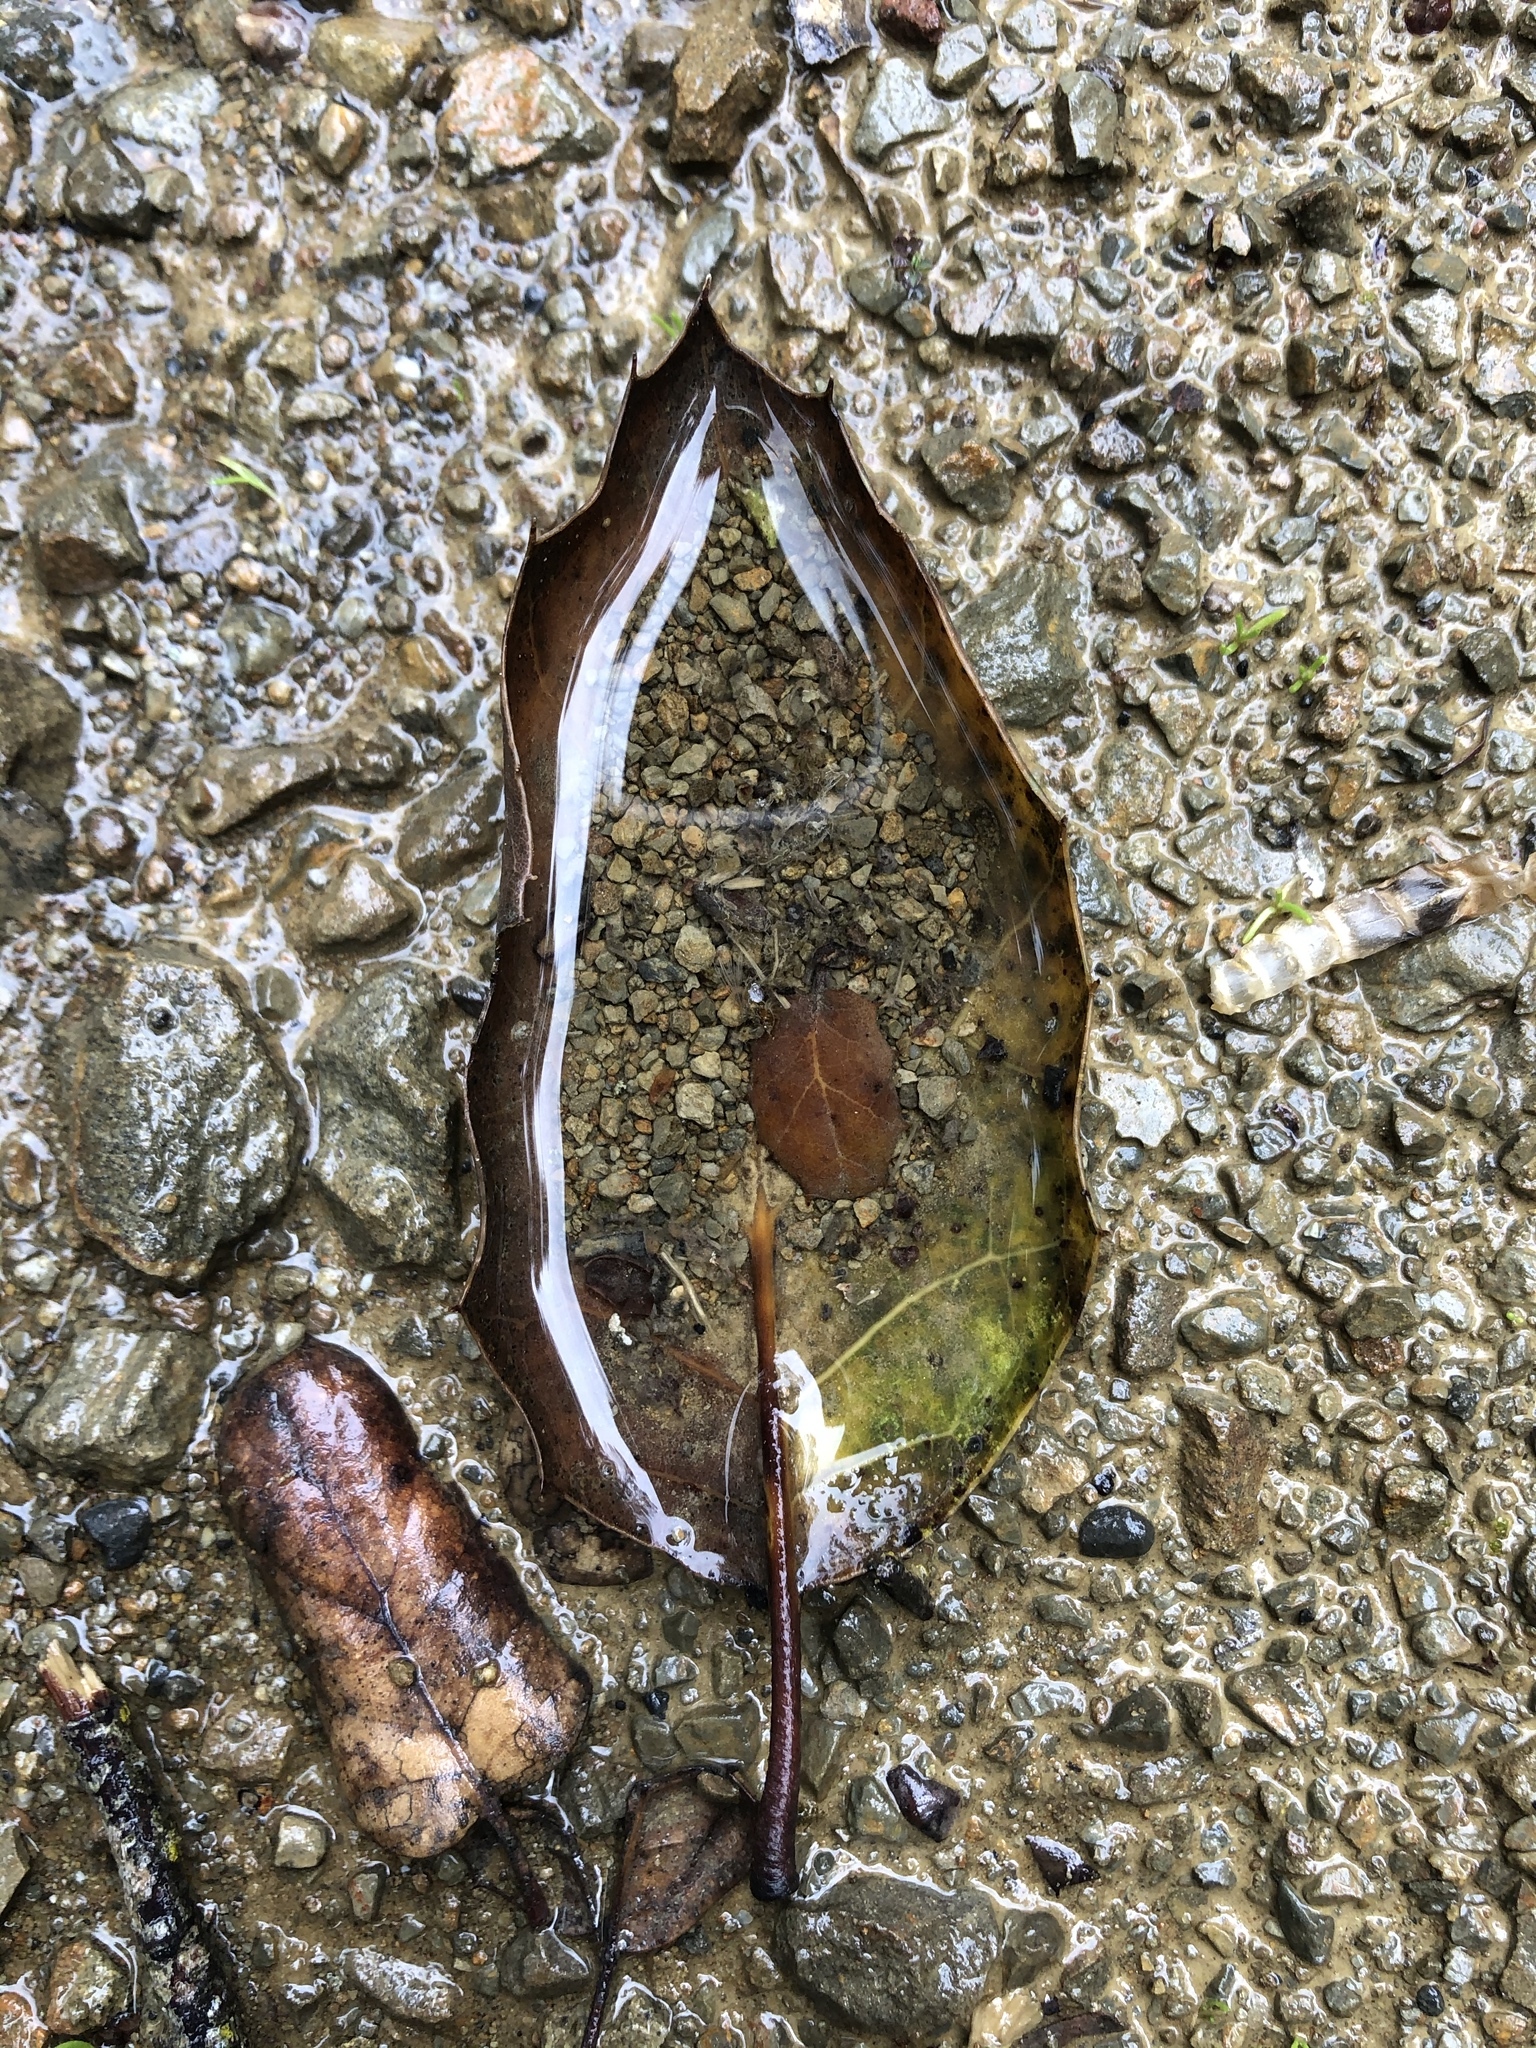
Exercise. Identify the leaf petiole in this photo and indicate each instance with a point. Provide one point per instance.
(774, 1874)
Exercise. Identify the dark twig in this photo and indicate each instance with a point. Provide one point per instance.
(182, 1969)
(773, 1847)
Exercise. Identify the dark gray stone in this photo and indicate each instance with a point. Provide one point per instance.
(1026, 638)
(1492, 657)
(87, 537)
(1288, 93)
(37, 52)
(889, 1957)
(386, 1105)
(104, 194)
(183, 1125)
(451, 825)
(1308, 1933)
(120, 1529)
(1115, 1530)
(1141, 1722)
(1031, 1943)
(862, 1641)
(1098, 894)
(1086, 114)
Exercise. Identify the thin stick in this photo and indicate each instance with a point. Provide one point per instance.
(687, 1286)
(182, 1969)
(773, 1848)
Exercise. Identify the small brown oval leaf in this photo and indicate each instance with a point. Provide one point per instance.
(382, 1575)
(823, 1097)
(685, 1847)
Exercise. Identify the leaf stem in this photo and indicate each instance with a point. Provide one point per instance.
(607, 1963)
(773, 1847)
(531, 1894)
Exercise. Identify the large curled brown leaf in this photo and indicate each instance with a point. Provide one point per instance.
(438, 1685)
(884, 854)
(823, 1097)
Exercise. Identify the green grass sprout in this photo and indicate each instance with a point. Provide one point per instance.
(1279, 905)
(237, 472)
(1246, 631)
(1306, 672)
(671, 324)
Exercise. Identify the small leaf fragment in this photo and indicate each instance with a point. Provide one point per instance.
(823, 1094)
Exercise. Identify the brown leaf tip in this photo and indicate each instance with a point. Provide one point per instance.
(824, 1097)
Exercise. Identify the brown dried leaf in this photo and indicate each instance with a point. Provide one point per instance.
(823, 1097)
(684, 1850)
(621, 1330)
(438, 1684)
(685, 1847)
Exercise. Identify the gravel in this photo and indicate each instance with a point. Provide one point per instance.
(1144, 330)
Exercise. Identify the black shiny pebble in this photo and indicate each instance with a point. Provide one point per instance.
(1430, 1999)
(905, 1588)
(1461, 1400)
(928, 1805)
(1058, 1863)
(120, 1530)
(1115, 1530)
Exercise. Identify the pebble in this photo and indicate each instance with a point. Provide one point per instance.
(87, 538)
(123, 1405)
(121, 1530)
(15, 1860)
(86, 1988)
(1115, 1530)
(425, 1993)
(183, 1127)
(1221, 1463)
(386, 1105)
(300, 1842)
(889, 1956)
(727, 76)
(900, 108)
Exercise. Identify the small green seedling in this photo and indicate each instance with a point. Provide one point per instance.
(1306, 672)
(671, 324)
(1279, 905)
(1246, 631)
(237, 472)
